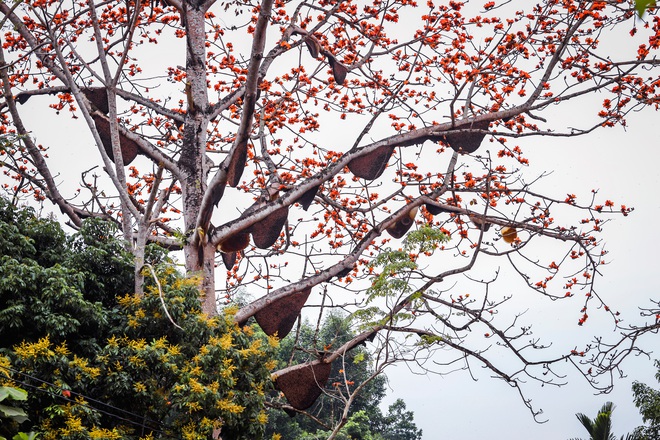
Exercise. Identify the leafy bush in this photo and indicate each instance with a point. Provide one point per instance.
(106, 363)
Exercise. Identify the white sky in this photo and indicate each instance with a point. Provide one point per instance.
(624, 166)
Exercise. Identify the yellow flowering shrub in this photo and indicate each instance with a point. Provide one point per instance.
(103, 363)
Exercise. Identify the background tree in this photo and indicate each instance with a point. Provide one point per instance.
(600, 428)
(398, 423)
(150, 366)
(327, 413)
(647, 400)
(372, 118)
(13, 416)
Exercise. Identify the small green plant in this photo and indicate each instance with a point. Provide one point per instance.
(12, 414)
(393, 269)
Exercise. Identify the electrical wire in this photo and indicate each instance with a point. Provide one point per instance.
(141, 424)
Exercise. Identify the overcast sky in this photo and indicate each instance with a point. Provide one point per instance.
(623, 165)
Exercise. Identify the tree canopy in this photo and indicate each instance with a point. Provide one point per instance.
(354, 392)
(367, 156)
(647, 399)
(101, 362)
(600, 427)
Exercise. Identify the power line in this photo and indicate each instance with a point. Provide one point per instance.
(87, 398)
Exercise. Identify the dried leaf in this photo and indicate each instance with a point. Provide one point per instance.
(371, 166)
(279, 316)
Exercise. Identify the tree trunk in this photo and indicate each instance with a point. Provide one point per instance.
(199, 255)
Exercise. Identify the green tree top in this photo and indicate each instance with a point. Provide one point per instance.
(102, 362)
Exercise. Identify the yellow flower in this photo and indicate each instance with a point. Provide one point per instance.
(128, 300)
(195, 386)
(229, 406)
(137, 344)
(62, 350)
(104, 434)
(139, 387)
(4, 366)
(160, 343)
(193, 406)
(174, 350)
(41, 348)
(74, 424)
(81, 363)
(273, 341)
(137, 361)
(225, 341)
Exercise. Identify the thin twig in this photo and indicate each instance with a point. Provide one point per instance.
(160, 293)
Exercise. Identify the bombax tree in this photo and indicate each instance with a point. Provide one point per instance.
(297, 142)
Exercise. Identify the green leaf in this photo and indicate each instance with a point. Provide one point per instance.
(12, 393)
(25, 436)
(14, 413)
(642, 5)
(426, 340)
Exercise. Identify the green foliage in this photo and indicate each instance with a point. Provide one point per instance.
(105, 363)
(600, 428)
(28, 267)
(393, 270)
(25, 436)
(11, 412)
(395, 265)
(101, 258)
(642, 5)
(389, 281)
(425, 239)
(11, 416)
(647, 400)
(396, 425)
